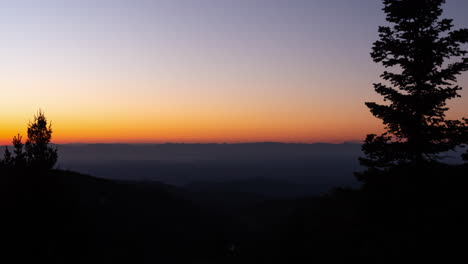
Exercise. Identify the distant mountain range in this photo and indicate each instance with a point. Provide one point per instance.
(265, 168)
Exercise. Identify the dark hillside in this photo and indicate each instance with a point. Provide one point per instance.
(66, 217)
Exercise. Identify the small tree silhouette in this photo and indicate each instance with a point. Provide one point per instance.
(36, 152)
(20, 156)
(424, 50)
(8, 160)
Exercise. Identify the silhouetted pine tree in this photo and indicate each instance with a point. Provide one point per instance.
(36, 152)
(426, 55)
(20, 156)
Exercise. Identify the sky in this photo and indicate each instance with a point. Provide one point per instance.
(141, 71)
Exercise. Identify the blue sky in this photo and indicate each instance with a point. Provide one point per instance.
(187, 62)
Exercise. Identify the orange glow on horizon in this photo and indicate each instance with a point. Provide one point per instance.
(195, 129)
(150, 72)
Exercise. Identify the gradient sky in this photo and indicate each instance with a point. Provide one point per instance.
(194, 70)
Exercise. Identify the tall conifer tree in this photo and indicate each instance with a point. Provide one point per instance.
(425, 56)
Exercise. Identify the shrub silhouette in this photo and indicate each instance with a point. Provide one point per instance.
(424, 49)
(36, 152)
(8, 160)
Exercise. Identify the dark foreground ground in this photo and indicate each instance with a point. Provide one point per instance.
(66, 217)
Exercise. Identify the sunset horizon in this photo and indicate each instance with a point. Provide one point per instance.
(219, 71)
(233, 131)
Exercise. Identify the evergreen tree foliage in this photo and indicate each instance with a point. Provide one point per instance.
(20, 156)
(425, 56)
(36, 152)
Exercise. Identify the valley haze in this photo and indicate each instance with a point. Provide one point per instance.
(269, 168)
